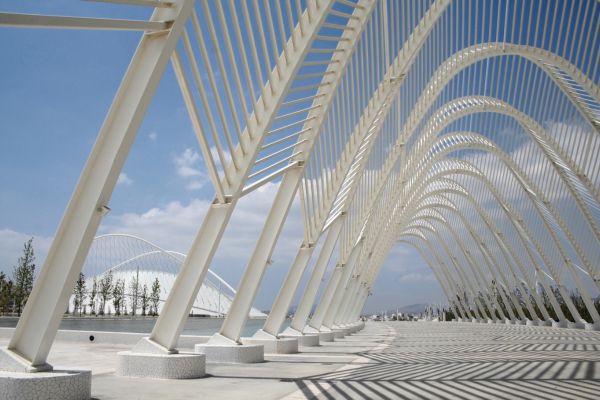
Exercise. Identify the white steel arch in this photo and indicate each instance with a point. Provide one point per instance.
(425, 122)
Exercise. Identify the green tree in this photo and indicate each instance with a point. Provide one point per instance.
(117, 294)
(93, 295)
(155, 296)
(80, 293)
(144, 299)
(134, 294)
(23, 275)
(106, 287)
(6, 293)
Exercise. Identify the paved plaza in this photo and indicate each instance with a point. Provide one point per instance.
(386, 360)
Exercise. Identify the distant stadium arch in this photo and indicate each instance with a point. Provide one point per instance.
(128, 256)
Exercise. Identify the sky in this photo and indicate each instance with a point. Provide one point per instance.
(55, 89)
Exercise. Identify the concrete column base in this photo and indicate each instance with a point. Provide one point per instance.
(491, 321)
(532, 323)
(509, 321)
(304, 339)
(326, 336)
(54, 385)
(559, 324)
(544, 323)
(20, 380)
(592, 326)
(519, 322)
(220, 349)
(475, 320)
(338, 333)
(162, 366)
(276, 346)
(575, 325)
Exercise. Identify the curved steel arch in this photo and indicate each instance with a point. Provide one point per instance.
(430, 215)
(482, 143)
(521, 180)
(353, 86)
(502, 245)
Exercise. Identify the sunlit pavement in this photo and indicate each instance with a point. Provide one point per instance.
(386, 360)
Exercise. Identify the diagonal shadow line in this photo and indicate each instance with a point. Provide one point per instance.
(582, 386)
(478, 388)
(554, 390)
(337, 386)
(520, 388)
(427, 387)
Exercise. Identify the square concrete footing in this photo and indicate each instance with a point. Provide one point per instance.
(559, 324)
(326, 336)
(307, 339)
(519, 322)
(339, 333)
(52, 385)
(509, 321)
(532, 323)
(576, 325)
(544, 323)
(491, 321)
(274, 346)
(232, 354)
(592, 326)
(161, 366)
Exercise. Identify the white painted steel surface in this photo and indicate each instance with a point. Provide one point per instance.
(468, 129)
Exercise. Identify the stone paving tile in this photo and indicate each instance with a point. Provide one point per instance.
(387, 360)
(469, 361)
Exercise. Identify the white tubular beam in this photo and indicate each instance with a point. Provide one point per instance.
(341, 288)
(170, 323)
(244, 299)
(358, 306)
(37, 326)
(310, 293)
(347, 298)
(353, 299)
(62, 22)
(286, 293)
(317, 319)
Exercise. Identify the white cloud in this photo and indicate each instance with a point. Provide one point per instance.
(124, 180)
(152, 136)
(416, 277)
(11, 248)
(188, 165)
(174, 225)
(195, 185)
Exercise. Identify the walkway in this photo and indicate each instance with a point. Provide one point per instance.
(392, 360)
(473, 361)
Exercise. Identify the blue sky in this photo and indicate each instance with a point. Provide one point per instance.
(55, 90)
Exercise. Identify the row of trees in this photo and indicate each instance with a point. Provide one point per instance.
(15, 292)
(519, 293)
(107, 290)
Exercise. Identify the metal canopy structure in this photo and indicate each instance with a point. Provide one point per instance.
(469, 129)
